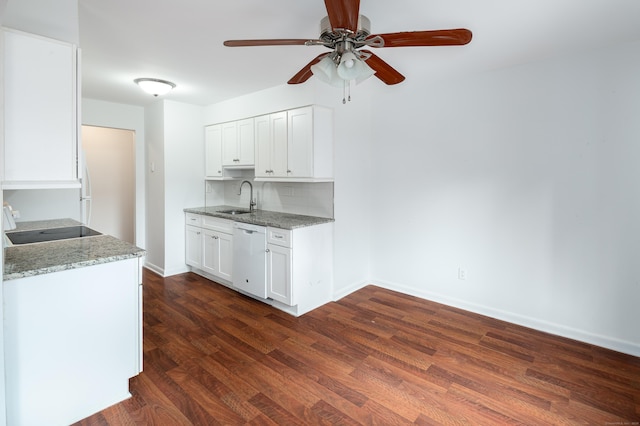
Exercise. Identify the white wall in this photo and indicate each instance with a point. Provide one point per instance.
(528, 178)
(155, 196)
(183, 173)
(129, 117)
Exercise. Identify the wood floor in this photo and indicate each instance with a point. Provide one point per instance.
(213, 356)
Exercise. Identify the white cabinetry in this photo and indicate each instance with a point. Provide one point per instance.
(209, 245)
(271, 145)
(295, 145)
(213, 151)
(72, 341)
(299, 267)
(238, 143)
(40, 112)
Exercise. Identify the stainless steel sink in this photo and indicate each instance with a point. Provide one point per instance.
(234, 211)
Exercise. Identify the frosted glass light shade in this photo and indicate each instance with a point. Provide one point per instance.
(154, 86)
(352, 68)
(326, 71)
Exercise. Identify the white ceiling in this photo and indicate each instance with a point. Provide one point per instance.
(182, 40)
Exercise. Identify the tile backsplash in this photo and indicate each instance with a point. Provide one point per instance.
(313, 199)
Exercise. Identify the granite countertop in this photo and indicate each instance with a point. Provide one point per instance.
(42, 258)
(262, 217)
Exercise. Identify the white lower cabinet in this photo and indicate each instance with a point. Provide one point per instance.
(193, 255)
(279, 274)
(217, 253)
(209, 245)
(299, 261)
(300, 267)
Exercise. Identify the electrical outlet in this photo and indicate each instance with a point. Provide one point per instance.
(462, 273)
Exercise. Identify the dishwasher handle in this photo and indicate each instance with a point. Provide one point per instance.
(248, 228)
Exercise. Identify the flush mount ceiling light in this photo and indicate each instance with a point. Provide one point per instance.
(154, 86)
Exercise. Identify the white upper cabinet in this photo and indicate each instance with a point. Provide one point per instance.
(213, 151)
(238, 143)
(295, 145)
(40, 112)
(271, 145)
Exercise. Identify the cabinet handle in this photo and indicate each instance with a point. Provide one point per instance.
(198, 233)
(267, 250)
(288, 171)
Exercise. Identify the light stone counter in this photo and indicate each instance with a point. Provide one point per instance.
(262, 217)
(42, 258)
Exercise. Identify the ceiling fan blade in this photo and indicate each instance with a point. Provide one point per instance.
(266, 42)
(305, 73)
(455, 37)
(385, 72)
(343, 14)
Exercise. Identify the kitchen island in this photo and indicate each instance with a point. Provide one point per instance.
(73, 325)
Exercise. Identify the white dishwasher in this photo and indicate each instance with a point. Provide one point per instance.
(250, 259)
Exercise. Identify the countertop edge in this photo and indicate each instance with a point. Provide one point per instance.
(274, 219)
(69, 266)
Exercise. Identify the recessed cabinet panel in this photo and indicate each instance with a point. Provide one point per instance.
(300, 143)
(238, 143)
(229, 144)
(193, 246)
(279, 142)
(213, 151)
(263, 145)
(279, 274)
(246, 142)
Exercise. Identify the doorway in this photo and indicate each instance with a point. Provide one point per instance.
(110, 159)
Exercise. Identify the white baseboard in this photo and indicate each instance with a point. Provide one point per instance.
(350, 289)
(514, 318)
(154, 268)
(164, 273)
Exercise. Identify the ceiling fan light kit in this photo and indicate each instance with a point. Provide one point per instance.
(345, 31)
(155, 86)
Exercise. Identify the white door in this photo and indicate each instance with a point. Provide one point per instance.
(110, 158)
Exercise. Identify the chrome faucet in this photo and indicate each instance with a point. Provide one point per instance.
(252, 202)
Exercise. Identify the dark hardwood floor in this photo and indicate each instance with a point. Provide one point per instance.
(213, 356)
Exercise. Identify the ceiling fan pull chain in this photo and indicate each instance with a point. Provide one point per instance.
(344, 89)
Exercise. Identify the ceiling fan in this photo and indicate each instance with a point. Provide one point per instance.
(345, 32)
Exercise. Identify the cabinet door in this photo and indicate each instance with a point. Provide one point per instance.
(40, 109)
(193, 246)
(210, 252)
(230, 155)
(213, 151)
(217, 254)
(279, 144)
(279, 274)
(245, 144)
(225, 256)
(300, 143)
(262, 126)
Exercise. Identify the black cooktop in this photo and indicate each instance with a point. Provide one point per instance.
(53, 234)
